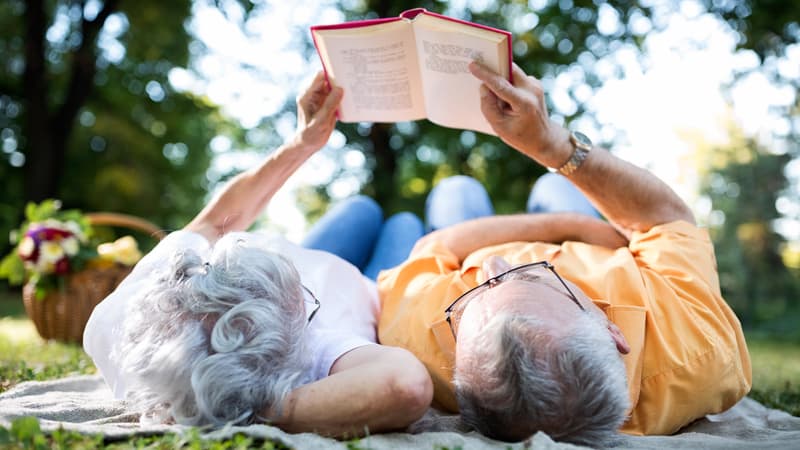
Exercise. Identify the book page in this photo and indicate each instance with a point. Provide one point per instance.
(452, 93)
(378, 70)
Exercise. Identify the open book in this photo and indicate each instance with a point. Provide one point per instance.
(411, 67)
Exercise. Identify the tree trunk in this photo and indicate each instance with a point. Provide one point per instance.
(383, 176)
(41, 165)
(49, 131)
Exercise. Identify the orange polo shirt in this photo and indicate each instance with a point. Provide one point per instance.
(688, 355)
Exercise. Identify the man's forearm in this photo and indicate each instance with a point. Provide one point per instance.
(629, 196)
(632, 198)
(466, 237)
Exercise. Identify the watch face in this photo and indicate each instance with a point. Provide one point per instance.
(581, 139)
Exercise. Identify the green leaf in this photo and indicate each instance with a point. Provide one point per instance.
(25, 428)
(12, 268)
(44, 210)
(30, 210)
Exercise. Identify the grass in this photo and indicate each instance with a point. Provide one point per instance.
(25, 434)
(25, 356)
(776, 372)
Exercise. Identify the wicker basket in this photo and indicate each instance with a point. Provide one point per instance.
(62, 314)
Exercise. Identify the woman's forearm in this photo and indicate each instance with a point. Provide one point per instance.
(371, 389)
(236, 207)
(246, 195)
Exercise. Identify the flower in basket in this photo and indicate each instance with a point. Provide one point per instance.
(124, 250)
(48, 246)
(52, 244)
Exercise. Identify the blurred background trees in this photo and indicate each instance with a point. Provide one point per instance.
(88, 115)
(744, 183)
(108, 105)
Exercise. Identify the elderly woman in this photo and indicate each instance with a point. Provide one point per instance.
(217, 325)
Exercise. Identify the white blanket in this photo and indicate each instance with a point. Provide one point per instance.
(85, 404)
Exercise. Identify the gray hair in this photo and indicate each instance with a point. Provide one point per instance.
(521, 377)
(216, 342)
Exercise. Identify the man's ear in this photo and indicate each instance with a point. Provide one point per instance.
(619, 338)
(494, 266)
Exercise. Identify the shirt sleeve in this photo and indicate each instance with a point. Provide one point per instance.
(695, 359)
(434, 258)
(681, 252)
(328, 345)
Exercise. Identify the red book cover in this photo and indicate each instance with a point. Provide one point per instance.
(411, 67)
(410, 14)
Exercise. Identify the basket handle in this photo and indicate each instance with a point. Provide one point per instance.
(125, 220)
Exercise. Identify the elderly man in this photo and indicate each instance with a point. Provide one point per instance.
(561, 322)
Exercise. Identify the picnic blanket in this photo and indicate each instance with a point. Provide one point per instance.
(85, 404)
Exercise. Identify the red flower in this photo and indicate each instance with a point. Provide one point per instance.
(44, 233)
(62, 266)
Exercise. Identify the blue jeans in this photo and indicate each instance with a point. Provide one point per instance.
(354, 230)
(460, 198)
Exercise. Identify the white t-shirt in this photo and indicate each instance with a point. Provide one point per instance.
(346, 319)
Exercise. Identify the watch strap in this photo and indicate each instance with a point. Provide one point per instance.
(581, 147)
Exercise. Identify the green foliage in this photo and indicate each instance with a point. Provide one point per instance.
(12, 269)
(135, 144)
(25, 433)
(765, 26)
(743, 186)
(748, 178)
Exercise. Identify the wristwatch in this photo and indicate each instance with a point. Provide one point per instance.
(581, 147)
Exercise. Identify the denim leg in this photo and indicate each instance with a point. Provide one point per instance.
(456, 199)
(349, 230)
(397, 237)
(555, 193)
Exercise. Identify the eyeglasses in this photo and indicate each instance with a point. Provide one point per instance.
(312, 304)
(531, 272)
